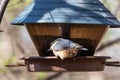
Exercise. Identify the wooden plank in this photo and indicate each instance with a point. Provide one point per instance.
(92, 32)
(65, 30)
(54, 57)
(44, 29)
(42, 43)
(70, 64)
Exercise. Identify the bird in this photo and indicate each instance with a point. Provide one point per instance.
(64, 48)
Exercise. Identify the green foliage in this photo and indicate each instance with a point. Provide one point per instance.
(108, 4)
(41, 75)
(14, 7)
(18, 3)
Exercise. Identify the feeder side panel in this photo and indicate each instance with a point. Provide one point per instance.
(42, 35)
(44, 29)
(90, 32)
(78, 64)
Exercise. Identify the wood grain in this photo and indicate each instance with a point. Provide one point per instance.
(36, 64)
(44, 29)
(87, 35)
(92, 32)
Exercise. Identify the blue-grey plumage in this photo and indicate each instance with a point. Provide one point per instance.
(65, 48)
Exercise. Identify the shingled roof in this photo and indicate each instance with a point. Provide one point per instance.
(66, 11)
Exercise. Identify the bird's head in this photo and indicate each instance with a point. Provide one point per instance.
(79, 47)
(54, 43)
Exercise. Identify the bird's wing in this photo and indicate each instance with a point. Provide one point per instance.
(62, 45)
(57, 47)
(73, 44)
(55, 41)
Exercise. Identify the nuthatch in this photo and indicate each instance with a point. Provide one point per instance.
(65, 48)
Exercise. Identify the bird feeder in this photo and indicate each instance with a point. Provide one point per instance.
(82, 21)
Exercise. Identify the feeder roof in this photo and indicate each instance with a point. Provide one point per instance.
(66, 11)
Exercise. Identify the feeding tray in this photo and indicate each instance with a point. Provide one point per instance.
(88, 63)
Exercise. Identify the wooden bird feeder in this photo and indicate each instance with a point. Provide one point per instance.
(82, 21)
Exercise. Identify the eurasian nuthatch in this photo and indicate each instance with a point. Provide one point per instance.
(65, 48)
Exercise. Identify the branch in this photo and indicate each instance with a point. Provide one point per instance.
(117, 9)
(3, 5)
(103, 46)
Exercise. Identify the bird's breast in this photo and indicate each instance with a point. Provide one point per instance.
(65, 53)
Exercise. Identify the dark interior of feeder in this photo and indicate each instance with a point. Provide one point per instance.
(45, 42)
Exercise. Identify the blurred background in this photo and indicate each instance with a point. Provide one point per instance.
(15, 43)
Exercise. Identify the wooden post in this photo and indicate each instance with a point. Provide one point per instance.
(65, 31)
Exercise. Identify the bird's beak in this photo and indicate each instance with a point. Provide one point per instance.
(85, 49)
(49, 50)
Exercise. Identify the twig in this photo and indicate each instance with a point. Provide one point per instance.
(3, 5)
(103, 46)
(54, 76)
